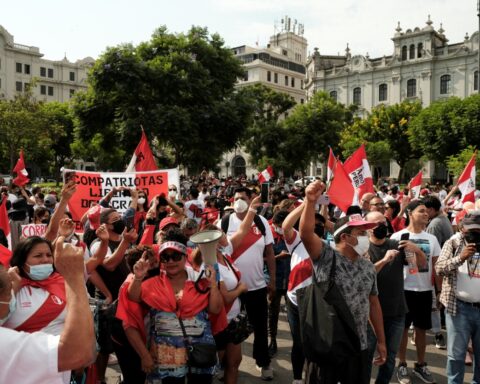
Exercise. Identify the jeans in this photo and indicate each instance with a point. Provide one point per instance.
(393, 327)
(297, 357)
(462, 327)
(274, 312)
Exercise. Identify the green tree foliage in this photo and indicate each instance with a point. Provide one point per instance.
(180, 87)
(456, 163)
(311, 128)
(446, 127)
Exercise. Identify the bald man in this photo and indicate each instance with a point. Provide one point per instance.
(365, 202)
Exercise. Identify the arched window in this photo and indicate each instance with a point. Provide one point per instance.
(445, 84)
(333, 95)
(412, 52)
(411, 88)
(239, 166)
(404, 53)
(357, 96)
(419, 50)
(382, 92)
(475, 81)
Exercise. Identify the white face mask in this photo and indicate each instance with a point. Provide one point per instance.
(240, 206)
(279, 230)
(362, 246)
(172, 193)
(141, 200)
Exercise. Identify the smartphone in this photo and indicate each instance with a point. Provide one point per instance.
(471, 238)
(264, 192)
(69, 175)
(126, 192)
(404, 236)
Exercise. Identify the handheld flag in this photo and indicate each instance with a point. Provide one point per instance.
(265, 175)
(415, 185)
(342, 192)
(330, 165)
(4, 223)
(358, 170)
(22, 174)
(466, 181)
(142, 159)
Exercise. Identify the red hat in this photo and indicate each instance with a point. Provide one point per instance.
(167, 221)
(93, 216)
(424, 192)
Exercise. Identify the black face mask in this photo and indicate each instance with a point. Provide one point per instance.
(46, 221)
(319, 230)
(118, 226)
(381, 231)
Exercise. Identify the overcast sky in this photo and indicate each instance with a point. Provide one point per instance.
(85, 28)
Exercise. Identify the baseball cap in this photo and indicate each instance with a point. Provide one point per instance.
(354, 220)
(472, 220)
(167, 221)
(50, 201)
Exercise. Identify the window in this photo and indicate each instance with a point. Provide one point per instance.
(72, 92)
(245, 76)
(72, 76)
(333, 95)
(302, 101)
(269, 76)
(419, 50)
(19, 67)
(382, 92)
(301, 84)
(411, 88)
(43, 89)
(275, 77)
(412, 52)
(50, 91)
(50, 73)
(445, 84)
(475, 81)
(286, 81)
(18, 86)
(26, 69)
(43, 71)
(357, 96)
(404, 53)
(293, 82)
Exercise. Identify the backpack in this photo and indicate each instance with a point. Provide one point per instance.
(256, 220)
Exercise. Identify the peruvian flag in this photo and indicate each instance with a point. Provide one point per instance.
(142, 159)
(415, 185)
(342, 193)
(22, 174)
(265, 175)
(466, 181)
(330, 165)
(4, 223)
(358, 170)
(5, 256)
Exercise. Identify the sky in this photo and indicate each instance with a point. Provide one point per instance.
(87, 27)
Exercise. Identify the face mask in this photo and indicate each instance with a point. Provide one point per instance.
(12, 305)
(362, 246)
(472, 237)
(380, 232)
(240, 206)
(279, 230)
(46, 221)
(40, 272)
(319, 230)
(141, 200)
(172, 193)
(118, 226)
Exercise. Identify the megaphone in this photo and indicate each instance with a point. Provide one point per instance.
(207, 242)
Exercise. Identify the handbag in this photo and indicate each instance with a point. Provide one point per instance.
(199, 355)
(327, 327)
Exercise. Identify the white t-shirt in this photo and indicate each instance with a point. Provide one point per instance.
(194, 209)
(468, 287)
(422, 280)
(300, 268)
(230, 280)
(248, 258)
(29, 358)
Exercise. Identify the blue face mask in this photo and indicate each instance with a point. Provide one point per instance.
(12, 305)
(40, 272)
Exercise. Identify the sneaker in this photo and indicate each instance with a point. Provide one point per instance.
(219, 372)
(423, 373)
(440, 341)
(402, 374)
(267, 372)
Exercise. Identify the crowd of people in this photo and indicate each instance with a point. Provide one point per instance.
(135, 284)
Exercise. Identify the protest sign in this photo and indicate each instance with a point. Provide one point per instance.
(30, 230)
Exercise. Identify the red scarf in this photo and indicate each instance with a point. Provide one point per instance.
(51, 308)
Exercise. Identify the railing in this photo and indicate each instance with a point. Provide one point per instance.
(25, 47)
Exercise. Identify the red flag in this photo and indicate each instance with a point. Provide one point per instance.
(330, 165)
(416, 184)
(265, 175)
(142, 159)
(4, 223)
(358, 170)
(22, 174)
(5, 256)
(341, 191)
(466, 181)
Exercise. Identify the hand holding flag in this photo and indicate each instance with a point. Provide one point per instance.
(22, 174)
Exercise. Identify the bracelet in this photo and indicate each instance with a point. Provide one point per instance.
(252, 210)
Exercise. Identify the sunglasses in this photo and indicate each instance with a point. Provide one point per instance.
(172, 189)
(175, 256)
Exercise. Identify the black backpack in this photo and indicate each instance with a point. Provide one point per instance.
(256, 220)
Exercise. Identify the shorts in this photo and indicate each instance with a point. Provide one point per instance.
(419, 309)
(105, 317)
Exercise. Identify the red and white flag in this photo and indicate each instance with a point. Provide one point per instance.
(415, 185)
(466, 181)
(22, 174)
(4, 223)
(342, 193)
(5, 256)
(330, 165)
(358, 170)
(265, 175)
(142, 159)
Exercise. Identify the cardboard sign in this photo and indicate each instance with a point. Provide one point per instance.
(30, 230)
